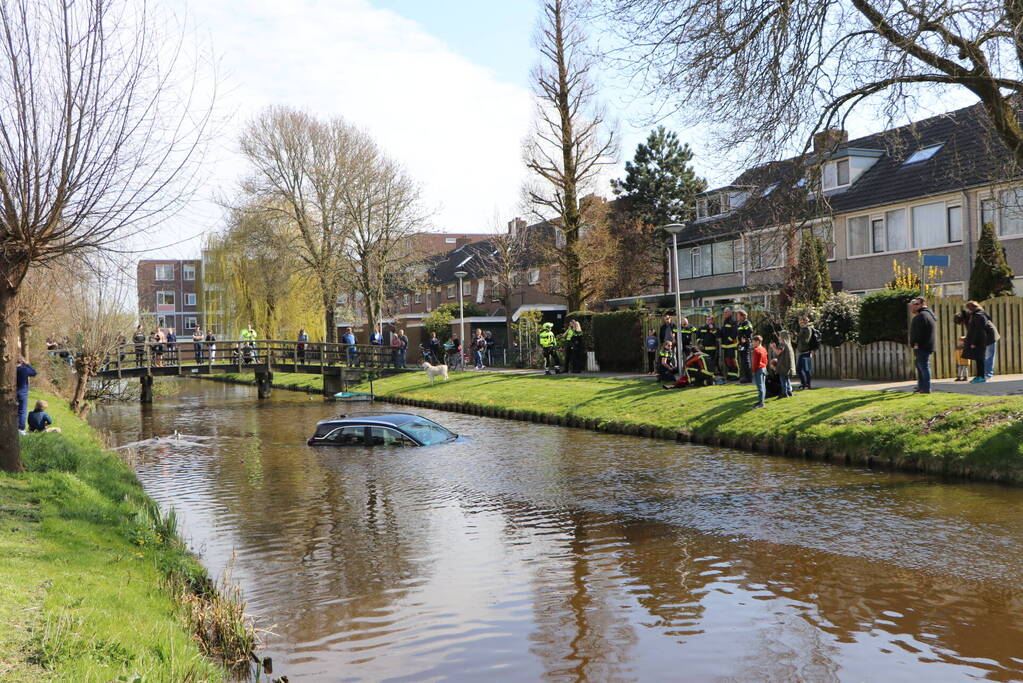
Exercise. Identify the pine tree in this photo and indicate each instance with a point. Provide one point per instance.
(660, 187)
(811, 282)
(992, 275)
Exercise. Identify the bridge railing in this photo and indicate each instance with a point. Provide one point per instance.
(246, 354)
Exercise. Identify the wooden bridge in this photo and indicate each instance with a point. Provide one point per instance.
(338, 364)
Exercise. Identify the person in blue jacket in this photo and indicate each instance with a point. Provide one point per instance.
(24, 372)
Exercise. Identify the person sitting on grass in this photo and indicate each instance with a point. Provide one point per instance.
(39, 420)
(772, 383)
(666, 366)
(696, 371)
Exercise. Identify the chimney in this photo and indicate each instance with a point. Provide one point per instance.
(827, 140)
(515, 225)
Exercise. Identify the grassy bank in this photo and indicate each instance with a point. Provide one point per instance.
(293, 381)
(94, 583)
(959, 435)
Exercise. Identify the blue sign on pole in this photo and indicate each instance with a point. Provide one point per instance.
(936, 260)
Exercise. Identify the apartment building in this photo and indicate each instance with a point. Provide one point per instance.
(924, 188)
(168, 294)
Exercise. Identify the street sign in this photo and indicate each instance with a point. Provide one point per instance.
(936, 260)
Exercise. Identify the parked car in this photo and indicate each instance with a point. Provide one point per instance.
(380, 429)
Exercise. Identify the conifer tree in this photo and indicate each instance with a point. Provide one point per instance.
(660, 187)
(811, 282)
(992, 275)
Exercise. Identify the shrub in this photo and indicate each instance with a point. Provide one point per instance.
(439, 321)
(618, 340)
(840, 319)
(884, 315)
(470, 308)
(992, 275)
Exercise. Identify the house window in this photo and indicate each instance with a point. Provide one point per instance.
(826, 233)
(859, 235)
(165, 272)
(685, 264)
(836, 174)
(987, 211)
(188, 272)
(466, 287)
(739, 254)
(534, 276)
(451, 291)
(701, 208)
(955, 223)
(706, 260)
(714, 205)
(842, 167)
(723, 258)
(450, 240)
(929, 225)
(189, 299)
(404, 299)
(877, 235)
(165, 298)
(419, 297)
(948, 289)
(1011, 219)
(695, 262)
(191, 322)
(895, 227)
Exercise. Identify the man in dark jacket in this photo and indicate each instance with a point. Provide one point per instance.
(921, 338)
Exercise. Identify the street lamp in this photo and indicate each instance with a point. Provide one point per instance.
(461, 315)
(674, 229)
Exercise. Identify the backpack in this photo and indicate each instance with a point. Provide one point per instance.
(814, 342)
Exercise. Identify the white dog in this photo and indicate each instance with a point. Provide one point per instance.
(433, 371)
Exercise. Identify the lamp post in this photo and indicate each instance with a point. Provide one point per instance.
(460, 274)
(674, 229)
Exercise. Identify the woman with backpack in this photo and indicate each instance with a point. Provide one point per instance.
(808, 341)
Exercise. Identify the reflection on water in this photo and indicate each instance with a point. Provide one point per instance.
(531, 552)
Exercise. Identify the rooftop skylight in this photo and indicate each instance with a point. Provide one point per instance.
(922, 154)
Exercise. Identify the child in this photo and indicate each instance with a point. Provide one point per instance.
(786, 363)
(651, 352)
(962, 364)
(759, 370)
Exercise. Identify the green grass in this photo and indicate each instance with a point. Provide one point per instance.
(295, 381)
(91, 576)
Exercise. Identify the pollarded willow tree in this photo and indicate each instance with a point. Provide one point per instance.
(768, 74)
(100, 125)
(569, 144)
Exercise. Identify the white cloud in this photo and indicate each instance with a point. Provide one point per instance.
(455, 125)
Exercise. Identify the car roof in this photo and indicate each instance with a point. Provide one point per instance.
(395, 419)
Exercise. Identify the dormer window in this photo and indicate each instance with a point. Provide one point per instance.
(836, 174)
(712, 205)
(922, 154)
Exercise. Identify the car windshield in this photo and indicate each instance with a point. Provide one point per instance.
(426, 432)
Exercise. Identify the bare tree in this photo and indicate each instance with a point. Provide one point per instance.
(383, 207)
(97, 140)
(568, 146)
(771, 73)
(507, 255)
(301, 170)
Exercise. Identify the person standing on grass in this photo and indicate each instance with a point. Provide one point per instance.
(24, 371)
(921, 339)
(668, 331)
(759, 370)
(786, 365)
(479, 347)
(651, 351)
(744, 332)
(992, 345)
(684, 334)
(976, 339)
(806, 343)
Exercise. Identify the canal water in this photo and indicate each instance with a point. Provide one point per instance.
(531, 552)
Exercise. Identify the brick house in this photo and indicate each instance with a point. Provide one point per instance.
(926, 187)
(168, 294)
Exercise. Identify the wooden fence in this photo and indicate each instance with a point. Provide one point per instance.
(881, 361)
(1007, 315)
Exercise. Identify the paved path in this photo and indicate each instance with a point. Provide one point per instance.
(1000, 385)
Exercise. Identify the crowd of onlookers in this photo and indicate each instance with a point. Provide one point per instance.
(977, 345)
(682, 355)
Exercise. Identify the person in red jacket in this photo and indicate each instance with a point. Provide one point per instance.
(759, 370)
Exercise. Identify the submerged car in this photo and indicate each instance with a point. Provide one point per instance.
(379, 429)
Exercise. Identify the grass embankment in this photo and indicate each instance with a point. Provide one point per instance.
(95, 584)
(293, 381)
(943, 433)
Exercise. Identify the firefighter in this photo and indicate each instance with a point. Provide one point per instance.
(695, 371)
(744, 332)
(666, 365)
(729, 346)
(686, 333)
(549, 344)
(707, 338)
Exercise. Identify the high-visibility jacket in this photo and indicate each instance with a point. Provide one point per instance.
(744, 332)
(728, 334)
(685, 335)
(547, 339)
(695, 365)
(708, 337)
(248, 334)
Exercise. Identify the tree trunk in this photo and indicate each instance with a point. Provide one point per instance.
(82, 375)
(10, 444)
(329, 320)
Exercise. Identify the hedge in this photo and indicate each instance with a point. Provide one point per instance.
(585, 319)
(618, 340)
(884, 315)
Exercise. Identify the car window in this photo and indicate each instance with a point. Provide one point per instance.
(427, 432)
(385, 436)
(346, 436)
